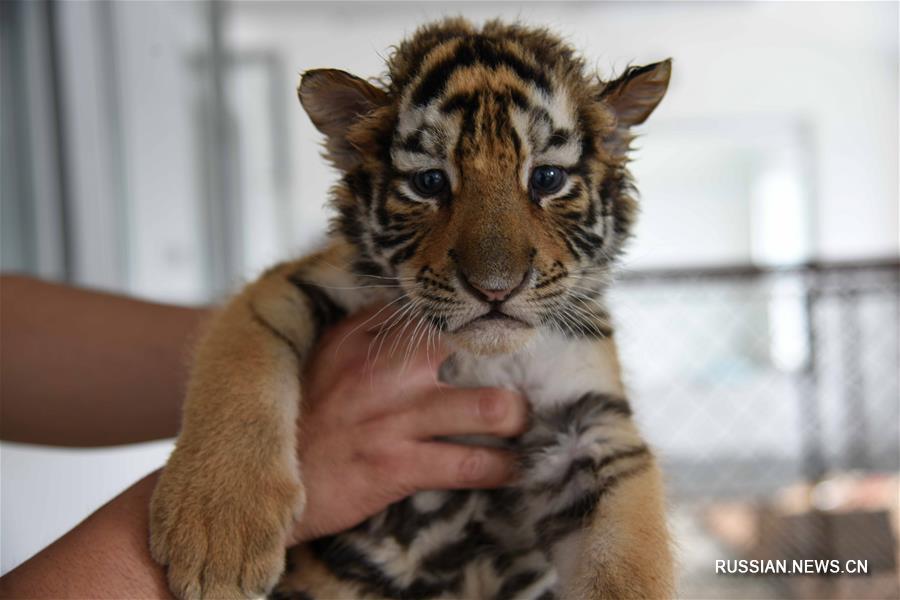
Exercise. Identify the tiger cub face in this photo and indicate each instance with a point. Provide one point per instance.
(486, 175)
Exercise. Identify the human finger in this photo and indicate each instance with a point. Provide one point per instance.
(459, 411)
(444, 465)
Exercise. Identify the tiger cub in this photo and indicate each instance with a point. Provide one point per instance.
(486, 177)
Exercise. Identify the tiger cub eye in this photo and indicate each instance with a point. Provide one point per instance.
(547, 179)
(429, 183)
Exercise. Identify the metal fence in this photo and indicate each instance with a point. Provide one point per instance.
(773, 398)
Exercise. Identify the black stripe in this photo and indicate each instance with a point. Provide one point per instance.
(588, 150)
(572, 215)
(571, 518)
(551, 279)
(466, 132)
(325, 311)
(503, 502)
(519, 99)
(258, 318)
(569, 245)
(428, 282)
(478, 50)
(348, 223)
(587, 241)
(502, 125)
(413, 143)
(539, 115)
(516, 584)
(623, 454)
(432, 83)
(553, 294)
(459, 101)
(517, 146)
(492, 55)
(367, 270)
(577, 190)
(289, 595)
(583, 412)
(615, 188)
(405, 253)
(611, 404)
(360, 183)
(391, 241)
(384, 187)
(506, 558)
(347, 562)
(474, 543)
(439, 299)
(403, 522)
(399, 221)
(555, 526)
(559, 137)
(589, 464)
(590, 220)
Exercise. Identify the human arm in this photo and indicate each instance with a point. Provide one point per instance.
(105, 556)
(87, 368)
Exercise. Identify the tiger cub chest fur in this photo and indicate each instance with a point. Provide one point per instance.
(511, 542)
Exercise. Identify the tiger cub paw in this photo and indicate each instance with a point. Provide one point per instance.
(221, 541)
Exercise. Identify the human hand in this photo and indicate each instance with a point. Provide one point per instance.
(366, 435)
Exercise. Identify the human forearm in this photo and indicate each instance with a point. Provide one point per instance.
(86, 368)
(106, 556)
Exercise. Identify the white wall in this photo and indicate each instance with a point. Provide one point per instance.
(160, 45)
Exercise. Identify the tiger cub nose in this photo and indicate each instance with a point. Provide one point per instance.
(496, 291)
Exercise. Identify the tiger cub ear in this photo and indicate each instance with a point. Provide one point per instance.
(637, 92)
(334, 100)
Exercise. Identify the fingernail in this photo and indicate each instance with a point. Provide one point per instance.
(493, 407)
(471, 467)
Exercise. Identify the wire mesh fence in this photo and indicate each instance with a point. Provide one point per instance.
(773, 399)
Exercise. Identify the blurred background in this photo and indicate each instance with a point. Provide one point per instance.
(157, 149)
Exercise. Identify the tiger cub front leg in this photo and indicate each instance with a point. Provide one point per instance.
(231, 490)
(626, 552)
(601, 502)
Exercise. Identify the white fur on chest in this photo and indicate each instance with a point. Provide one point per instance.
(551, 371)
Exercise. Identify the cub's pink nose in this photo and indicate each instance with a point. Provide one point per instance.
(494, 292)
(492, 295)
